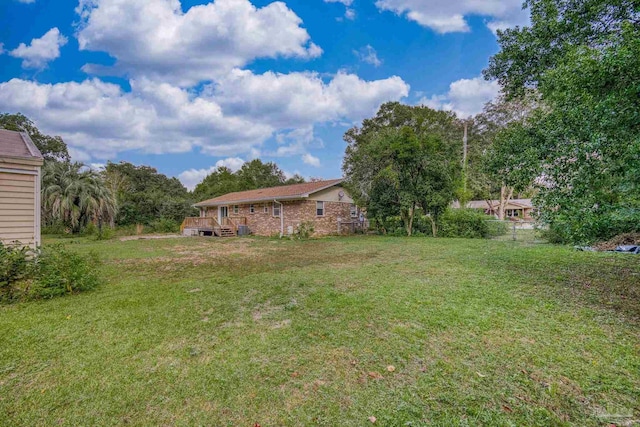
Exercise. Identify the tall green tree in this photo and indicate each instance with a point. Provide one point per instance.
(408, 155)
(489, 179)
(74, 195)
(145, 195)
(252, 175)
(583, 57)
(51, 147)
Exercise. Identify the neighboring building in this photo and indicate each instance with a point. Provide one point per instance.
(276, 210)
(20, 163)
(520, 209)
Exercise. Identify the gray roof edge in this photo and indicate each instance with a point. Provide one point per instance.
(31, 146)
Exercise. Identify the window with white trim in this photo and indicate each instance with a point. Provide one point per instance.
(236, 209)
(319, 208)
(276, 209)
(353, 211)
(252, 209)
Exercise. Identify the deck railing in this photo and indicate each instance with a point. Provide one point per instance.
(199, 223)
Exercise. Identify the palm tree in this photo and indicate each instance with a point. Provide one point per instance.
(75, 195)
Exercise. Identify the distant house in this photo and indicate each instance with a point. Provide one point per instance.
(20, 163)
(276, 210)
(521, 209)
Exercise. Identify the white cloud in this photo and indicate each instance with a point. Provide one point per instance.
(296, 100)
(156, 39)
(311, 160)
(350, 14)
(466, 97)
(233, 163)
(40, 51)
(98, 119)
(369, 55)
(234, 117)
(192, 177)
(447, 16)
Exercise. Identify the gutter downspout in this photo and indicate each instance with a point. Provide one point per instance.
(281, 217)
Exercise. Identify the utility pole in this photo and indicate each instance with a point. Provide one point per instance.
(465, 146)
(465, 142)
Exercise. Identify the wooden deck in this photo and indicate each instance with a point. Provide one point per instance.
(204, 225)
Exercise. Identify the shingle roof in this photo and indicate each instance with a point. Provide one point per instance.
(17, 144)
(295, 191)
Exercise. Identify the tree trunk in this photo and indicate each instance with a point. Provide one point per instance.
(412, 213)
(506, 193)
(434, 226)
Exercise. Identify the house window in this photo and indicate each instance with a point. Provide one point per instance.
(236, 209)
(252, 209)
(320, 208)
(266, 208)
(353, 211)
(276, 209)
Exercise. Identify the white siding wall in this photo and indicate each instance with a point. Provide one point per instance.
(19, 205)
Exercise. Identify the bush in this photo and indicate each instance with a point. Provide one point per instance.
(51, 272)
(15, 266)
(467, 223)
(304, 230)
(497, 228)
(61, 271)
(164, 225)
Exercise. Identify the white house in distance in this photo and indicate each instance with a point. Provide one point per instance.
(20, 163)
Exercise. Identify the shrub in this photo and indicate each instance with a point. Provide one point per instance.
(15, 265)
(61, 271)
(304, 230)
(496, 228)
(466, 223)
(164, 225)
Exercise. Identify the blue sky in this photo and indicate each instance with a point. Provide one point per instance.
(187, 85)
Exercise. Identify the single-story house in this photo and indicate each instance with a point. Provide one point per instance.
(520, 209)
(20, 163)
(276, 210)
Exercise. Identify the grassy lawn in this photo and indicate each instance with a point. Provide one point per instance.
(239, 332)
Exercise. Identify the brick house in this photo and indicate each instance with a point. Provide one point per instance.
(276, 210)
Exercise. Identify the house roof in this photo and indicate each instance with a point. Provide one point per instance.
(513, 204)
(17, 144)
(285, 192)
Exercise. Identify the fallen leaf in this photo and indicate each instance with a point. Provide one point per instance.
(375, 375)
(68, 317)
(295, 375)
(480, 375)
(373, 420)
(507, 408)
(391, 368)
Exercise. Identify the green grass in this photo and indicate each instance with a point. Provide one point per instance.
(236, 332)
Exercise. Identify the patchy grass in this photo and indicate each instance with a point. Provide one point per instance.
(236, 332)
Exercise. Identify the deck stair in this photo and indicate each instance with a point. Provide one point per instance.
(227, 231)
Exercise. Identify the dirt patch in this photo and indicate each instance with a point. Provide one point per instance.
(151, 237)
